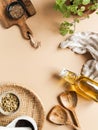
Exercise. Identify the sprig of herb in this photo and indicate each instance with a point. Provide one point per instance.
(65, 28)
(73, 7)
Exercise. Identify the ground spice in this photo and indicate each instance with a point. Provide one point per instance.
(16, 11)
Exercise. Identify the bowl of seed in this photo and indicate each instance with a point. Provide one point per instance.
(9, 103)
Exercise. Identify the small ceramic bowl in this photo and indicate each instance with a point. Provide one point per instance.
(23, 121)
(9, 103)
(15, 10)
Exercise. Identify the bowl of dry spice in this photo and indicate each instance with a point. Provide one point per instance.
(9, 103)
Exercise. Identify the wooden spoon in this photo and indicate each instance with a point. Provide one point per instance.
(69, 101)
(58, 115)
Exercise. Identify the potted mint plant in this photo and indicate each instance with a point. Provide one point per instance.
(76, 8)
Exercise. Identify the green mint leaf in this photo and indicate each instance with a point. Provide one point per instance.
(63, 32)
(71, 31)
(85, 2)
(80, 13)
(60, 2)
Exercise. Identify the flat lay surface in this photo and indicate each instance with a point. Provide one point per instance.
(35, 69)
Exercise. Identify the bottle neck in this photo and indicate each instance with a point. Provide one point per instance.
(68, 76)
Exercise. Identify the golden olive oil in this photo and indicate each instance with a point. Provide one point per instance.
(82, 85)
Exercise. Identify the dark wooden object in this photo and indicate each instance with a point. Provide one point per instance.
(7, 22)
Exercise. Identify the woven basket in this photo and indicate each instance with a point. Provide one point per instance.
(30, 105)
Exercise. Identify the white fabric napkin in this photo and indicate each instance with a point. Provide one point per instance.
(81, 43)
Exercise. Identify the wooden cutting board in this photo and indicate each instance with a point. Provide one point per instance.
(7, 22)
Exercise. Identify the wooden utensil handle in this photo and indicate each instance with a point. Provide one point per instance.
(72, 125)
(25, 30)
(76, 121)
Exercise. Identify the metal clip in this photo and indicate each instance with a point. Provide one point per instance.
(34, 44)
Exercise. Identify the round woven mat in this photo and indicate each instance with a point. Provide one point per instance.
(30, 105)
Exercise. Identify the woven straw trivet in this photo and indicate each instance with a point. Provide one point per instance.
(30, 105)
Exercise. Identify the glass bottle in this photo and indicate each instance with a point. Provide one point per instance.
(82, 85)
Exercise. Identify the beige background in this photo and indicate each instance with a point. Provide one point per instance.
(34, 69)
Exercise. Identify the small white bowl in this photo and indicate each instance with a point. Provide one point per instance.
(2, 110)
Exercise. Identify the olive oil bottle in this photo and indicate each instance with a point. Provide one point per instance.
(82, 85)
